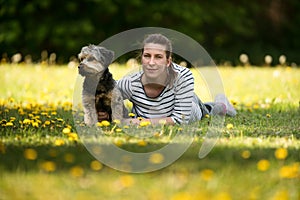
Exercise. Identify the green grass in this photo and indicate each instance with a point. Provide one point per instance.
(39, 161)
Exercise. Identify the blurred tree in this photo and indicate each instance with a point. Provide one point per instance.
(224, 28)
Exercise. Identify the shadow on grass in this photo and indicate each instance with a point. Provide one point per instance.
(268, 125)
(63, 158)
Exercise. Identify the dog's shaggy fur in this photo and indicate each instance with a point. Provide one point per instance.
(99, 93)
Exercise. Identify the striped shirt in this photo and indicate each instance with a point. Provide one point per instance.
(174, 101)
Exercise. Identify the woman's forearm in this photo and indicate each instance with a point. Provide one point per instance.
(154, 121)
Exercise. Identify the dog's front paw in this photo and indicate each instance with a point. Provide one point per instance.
(90, 120)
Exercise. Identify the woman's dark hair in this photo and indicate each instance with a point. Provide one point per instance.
(158, 38)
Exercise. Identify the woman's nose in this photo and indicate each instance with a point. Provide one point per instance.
(152, 60)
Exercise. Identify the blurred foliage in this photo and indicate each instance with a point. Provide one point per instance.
(224, 28)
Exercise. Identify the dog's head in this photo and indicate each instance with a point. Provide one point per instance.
(94, 60)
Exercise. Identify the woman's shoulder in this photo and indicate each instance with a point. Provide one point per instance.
(181, 70)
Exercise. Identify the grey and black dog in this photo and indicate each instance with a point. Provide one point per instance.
(99, 93)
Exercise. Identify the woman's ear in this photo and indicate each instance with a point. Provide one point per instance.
(169, 61)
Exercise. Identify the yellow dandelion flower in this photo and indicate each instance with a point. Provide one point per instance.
(48, 166)
(281, 153)
(47, 122)
(229, 126)
(35, 124)
(59, 119)
(54, 113)
(263, 165)
(30, 154)
(9, 124)
(118, 142)
(142, 143)
(69, 158)
(144, 123)
(256, 106)
(156, 134)
(223, 196)
(125, 127)
(268, 115)
(182, 195)
(73, 137)
(99, 124)
(12, 118)
(282, 194)
(21, 111)
(290, 171)
(206, 174)
(126, 181)
(131, 114)
(156, 158)
(26, 121)
(59, 142)
(118, 130)
(69, 126)
(11, 100)
(246, 154)
(66, 130)
(116, 121)
(96, 165)
(76, 171)
(105, 123)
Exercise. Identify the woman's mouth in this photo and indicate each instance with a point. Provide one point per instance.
(151, 70)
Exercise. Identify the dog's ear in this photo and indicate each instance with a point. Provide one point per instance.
(109, 56)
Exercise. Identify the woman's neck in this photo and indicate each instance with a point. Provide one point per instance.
(161, 80)
(153, 87)
(153, 90)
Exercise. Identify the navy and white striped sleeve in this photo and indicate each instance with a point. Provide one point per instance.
(124, 85)
(183, 91)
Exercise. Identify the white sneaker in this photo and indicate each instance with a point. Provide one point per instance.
(221, 98)
(218, 109)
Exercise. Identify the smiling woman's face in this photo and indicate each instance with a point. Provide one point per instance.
(155, 61)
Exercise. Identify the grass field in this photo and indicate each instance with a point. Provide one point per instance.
(256, 157)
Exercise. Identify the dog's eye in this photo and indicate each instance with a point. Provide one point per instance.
(81, 59)
(90, 59)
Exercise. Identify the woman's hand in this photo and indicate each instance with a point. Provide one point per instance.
(131, 121)
(153, 121)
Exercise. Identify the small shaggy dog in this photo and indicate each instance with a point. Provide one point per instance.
(99, 93)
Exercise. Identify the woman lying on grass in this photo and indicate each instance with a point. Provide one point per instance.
(163, 90)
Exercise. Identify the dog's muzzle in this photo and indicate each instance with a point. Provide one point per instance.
(80, 66)
(81, 69)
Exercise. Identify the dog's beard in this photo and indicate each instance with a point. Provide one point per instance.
(88, 70)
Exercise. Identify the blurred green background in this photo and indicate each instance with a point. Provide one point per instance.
(226, 29)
